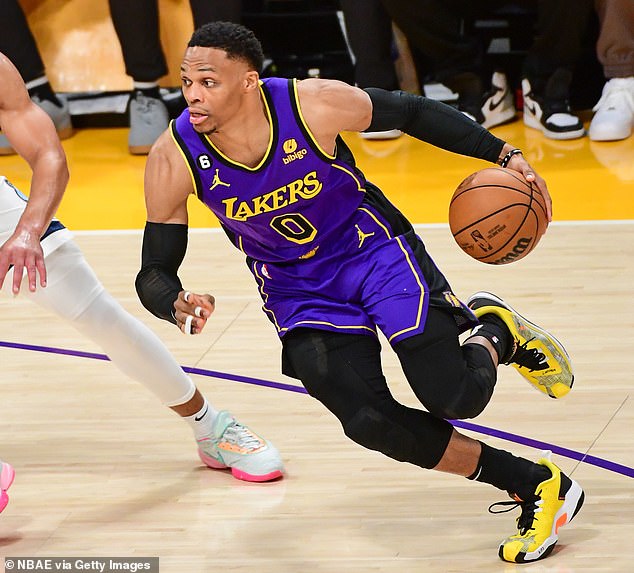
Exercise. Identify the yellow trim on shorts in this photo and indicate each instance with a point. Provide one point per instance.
(422, 293)
(324, 323)
(265, 296)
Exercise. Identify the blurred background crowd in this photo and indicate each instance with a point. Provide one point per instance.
(563, 67)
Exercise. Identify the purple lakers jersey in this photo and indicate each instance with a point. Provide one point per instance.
(295, 199)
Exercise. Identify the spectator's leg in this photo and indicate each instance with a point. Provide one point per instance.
(137, 25)
(369, 31)
(17, 42)
(204, 11)
(614, 113)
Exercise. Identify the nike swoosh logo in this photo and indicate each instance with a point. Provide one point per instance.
(531, 108)
(197, 419)
(493, 105)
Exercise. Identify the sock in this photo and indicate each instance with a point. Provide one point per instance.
(497, 333)
(148, 89)
(517, 476)
(202, 421)
(42, 89)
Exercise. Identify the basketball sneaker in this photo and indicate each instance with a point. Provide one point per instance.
(381, 135)
(7, 473)
(554, 504)
(235, 446)
(496, 106)
(550, 111)
(148, 119)
(614, 113)
(537, 355)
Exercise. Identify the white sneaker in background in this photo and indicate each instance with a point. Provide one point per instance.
(498, 106)
(378, 135)
(440, 92)
(550, 111)
(614, 113)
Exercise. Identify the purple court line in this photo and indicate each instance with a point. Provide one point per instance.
(572, 454)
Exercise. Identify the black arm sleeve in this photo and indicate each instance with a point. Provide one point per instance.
(433, 122)
(157, 283)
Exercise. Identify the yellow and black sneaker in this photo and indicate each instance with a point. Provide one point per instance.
(555, 502)
(537, 355)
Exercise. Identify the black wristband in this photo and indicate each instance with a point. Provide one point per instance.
(157, 283)
(505, 160)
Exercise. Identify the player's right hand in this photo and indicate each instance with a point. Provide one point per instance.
(24, 251)
(192, 311)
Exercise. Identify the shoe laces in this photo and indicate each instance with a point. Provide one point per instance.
(239, 435)
(530, 358)
(529, 508)
(618, 93)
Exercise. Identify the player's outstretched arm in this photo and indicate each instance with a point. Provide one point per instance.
(32, 134)
(330, 107)
(167, 186)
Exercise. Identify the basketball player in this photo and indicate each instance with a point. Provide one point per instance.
(333, 260)
(37, 246)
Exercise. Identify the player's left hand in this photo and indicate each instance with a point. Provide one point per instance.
(192, 311)
(518, 163)
(24, 251)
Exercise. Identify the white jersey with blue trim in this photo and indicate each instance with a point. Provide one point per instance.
(12, 205)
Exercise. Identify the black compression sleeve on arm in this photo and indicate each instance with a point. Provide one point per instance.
(433, 122)
(157, 283)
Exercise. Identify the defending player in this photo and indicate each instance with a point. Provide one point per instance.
(333, 260)
(35, 244)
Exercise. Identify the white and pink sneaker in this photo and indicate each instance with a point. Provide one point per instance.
(235, 446)
(7, 473)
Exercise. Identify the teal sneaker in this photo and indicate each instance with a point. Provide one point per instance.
(235, 446)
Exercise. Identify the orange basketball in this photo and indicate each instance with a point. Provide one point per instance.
(496, 216)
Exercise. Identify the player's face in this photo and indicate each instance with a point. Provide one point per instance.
(214, 87)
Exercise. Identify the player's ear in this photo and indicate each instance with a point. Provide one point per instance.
(251, 80)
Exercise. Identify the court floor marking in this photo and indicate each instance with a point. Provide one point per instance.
(501, 434)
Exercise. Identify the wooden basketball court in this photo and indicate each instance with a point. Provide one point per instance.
(104, 470)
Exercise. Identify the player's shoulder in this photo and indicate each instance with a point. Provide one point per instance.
(165, 147)
(318, 87)
(166, 159)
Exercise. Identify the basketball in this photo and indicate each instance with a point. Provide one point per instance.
(496, 216)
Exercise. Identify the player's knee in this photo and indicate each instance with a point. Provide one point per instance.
(375, 431)
(457, 407)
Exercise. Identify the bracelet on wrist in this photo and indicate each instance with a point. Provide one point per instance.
(505, 160)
